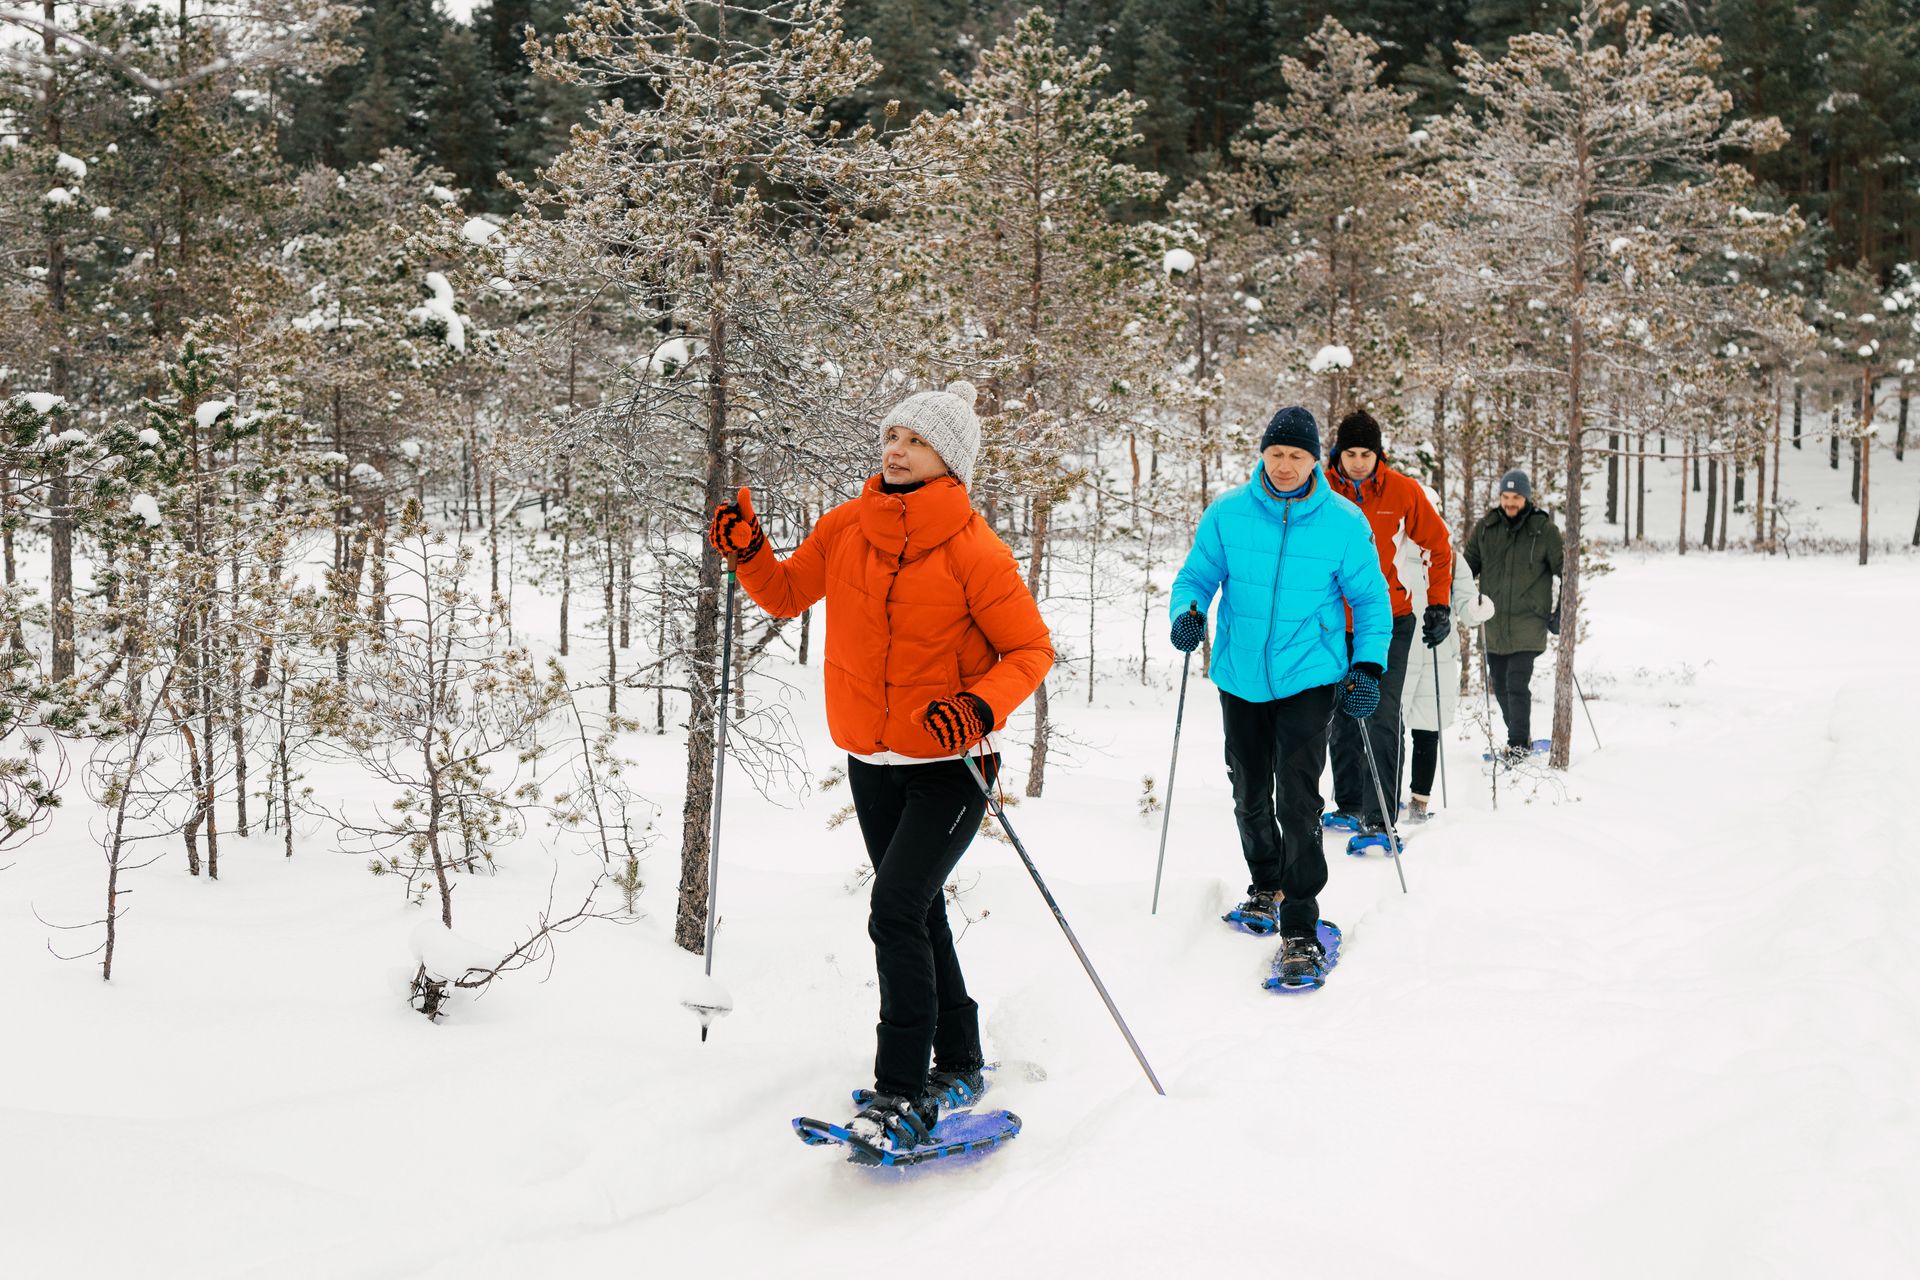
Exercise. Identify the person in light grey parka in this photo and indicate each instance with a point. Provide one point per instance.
(1425, 715)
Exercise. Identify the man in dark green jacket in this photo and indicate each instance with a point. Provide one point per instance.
(1514, 552)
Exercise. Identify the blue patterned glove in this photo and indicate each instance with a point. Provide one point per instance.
(1359, 690)
(1189, 629)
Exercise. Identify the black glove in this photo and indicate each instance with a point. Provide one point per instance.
(958, 722)
(1434, 625)
(1189, 629)
(735, 531)
(1359, 690)
(1553, 619)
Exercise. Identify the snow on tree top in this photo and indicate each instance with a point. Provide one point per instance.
(1331, 357)
(59, 195)
(673, 355)
(144, 506)
(479, 230)
(71, 164)
(102, 212)
(209, 413)
(149, 437)
(43, 401)
(440, 307)
(410, 449)
(1253, 305)
(1177, 262)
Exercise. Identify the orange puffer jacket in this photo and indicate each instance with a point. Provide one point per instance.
(1396, 509)
(923, 601)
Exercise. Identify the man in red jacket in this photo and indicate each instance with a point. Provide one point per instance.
(1395, 507)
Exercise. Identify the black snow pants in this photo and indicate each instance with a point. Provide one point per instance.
(1512, 675)
(917, 820)
(1280, 746)
(1352, 785)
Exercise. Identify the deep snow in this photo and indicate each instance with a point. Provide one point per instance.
(1655, 1017)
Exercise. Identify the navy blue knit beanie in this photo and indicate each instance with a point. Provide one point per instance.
(1293, 426)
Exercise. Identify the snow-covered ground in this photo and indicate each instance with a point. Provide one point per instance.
(1658, 1016)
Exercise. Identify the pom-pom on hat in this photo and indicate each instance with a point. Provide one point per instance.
(945, 420)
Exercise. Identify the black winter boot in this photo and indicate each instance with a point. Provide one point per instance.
(888, 1120)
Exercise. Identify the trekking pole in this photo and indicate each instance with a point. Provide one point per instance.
(1486, 694)
(1439, 723)
(1589, 710)
(1380, 794)
(712, 1000)
(994, 806)
(1166, 815)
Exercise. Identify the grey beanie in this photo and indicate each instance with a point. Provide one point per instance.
(945, 420)
(1515, 481)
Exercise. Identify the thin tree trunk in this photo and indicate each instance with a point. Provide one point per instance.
(1773, 507)
(17, 637)
(1721, 543)
(1900, 436)
(626, 592)
(1833, 430)
(1570, 583)
(566, 548)
(1713, 495)
(1613, 477)
(607, 600)
(1042, 723)
(1863, 451)
(689, 928)
(1799, 405)
(1640, 495)
(1683, 498)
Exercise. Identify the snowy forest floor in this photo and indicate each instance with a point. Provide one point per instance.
(1656, 1016)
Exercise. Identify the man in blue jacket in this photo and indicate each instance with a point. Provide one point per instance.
(1288, 556)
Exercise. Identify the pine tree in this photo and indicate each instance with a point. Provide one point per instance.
(1024, 243)
(712, 204)
(1594, 185)
(1326, 167)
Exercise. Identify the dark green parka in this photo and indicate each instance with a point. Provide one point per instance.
(1516, 562)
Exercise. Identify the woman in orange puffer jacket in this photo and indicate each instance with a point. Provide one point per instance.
(932, 638)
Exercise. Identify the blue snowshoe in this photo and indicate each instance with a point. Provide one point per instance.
(1340, 820)
(1302, 964)
(1373, 836)
(1258, 915)
(1513, 755)
(892, 1131)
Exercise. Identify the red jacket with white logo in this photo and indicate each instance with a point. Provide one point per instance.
(1393, 503)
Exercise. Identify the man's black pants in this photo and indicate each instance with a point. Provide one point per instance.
(1352, 785)
(917, 820)
(1512, 675)
(1280, 747)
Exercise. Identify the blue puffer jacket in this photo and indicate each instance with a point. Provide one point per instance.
(1288, 567)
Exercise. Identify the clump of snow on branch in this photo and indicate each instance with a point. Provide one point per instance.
(1329, 358)
(440, 307)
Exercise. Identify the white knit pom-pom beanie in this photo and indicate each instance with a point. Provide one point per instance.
(945, 420)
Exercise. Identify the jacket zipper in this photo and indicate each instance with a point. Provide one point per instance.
(1279, 573)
